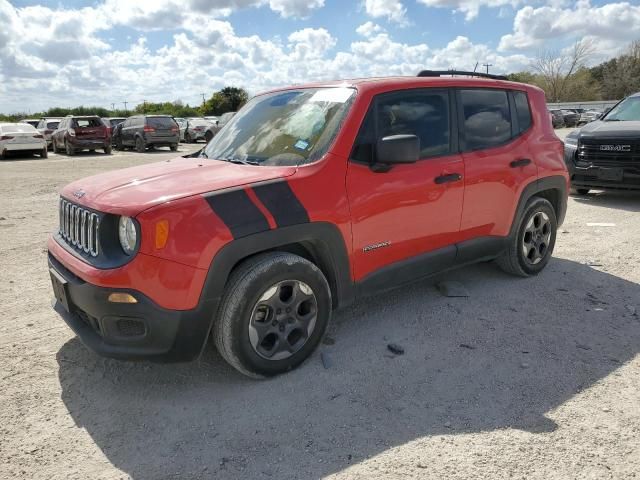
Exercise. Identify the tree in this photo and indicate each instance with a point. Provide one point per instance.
(620, 76)
(229, 99)
(556, 68)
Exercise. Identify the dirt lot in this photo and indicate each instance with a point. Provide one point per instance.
(525, 378)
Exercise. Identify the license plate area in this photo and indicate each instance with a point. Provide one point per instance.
(59, 285)
(611, 174)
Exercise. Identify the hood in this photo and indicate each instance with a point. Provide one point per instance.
(132, 190)
(610, 130)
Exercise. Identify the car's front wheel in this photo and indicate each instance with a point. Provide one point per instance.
(44, 153)
(139, 145)
(273, 314)
(69, 149)
(531, 247)
(107, 150)
(174, 147)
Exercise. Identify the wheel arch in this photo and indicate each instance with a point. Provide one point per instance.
(319, 242)
(553, 189)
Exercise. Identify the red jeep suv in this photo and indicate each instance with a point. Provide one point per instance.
(308, 198)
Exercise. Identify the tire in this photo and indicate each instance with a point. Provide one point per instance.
(92, 150)
(119, 145)
(536, 235)
(44, 153)
(208, 136)
(69, 149)
(53, 146)
(245, 342)
(579, 191)
(107, 150)
(187, 138)
(139, 145)
(173, 148)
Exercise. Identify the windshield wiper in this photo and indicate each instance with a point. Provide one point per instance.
(612, 120)
(203, 154)
(239, 161)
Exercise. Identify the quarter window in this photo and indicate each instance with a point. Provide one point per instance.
(522, 108)
(487, 122)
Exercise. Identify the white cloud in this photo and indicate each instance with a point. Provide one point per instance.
(295, 8)
(612, 24)
(392, 10)
(470, 8)
(368, 29)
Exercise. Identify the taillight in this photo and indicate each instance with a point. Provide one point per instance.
(6, 137)
(149, 129)
(197, 129)
(38, 136)
(72, 132)
(174, 129)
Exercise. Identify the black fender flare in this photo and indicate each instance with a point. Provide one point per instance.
(324, 241)
(557, 183)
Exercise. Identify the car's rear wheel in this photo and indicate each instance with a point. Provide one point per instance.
(53, 146)
(107, 150)
(579, 191)
(69, 149)
(44, 153)
(187, 138)
(273, 314)
(531, 247)
(139, 145)
(174, 147)
(208, 136)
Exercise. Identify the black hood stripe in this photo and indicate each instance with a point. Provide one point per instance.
(241, 216)
(283, 204)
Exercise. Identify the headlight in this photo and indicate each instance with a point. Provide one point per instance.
(128, 235)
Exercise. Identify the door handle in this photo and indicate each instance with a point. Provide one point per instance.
(521, 162)
(452, 177)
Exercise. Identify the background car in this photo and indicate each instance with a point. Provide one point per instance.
(30, 121)
(213, 130)
(196, 129)
(557, 118)
(111, 122)
(589, 116)
(182, 125)
(76, 133)
(21, 137)
(571, 118)
(47, 126)
(148, 131)
(212, 119)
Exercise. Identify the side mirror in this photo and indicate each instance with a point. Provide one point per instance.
(217, 122)
(396, 149)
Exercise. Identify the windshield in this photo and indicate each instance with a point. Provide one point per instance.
(283, 128)
(627, 110)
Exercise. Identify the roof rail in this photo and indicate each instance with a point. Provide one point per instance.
(440, 73)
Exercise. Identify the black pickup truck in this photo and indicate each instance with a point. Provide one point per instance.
(605, 154)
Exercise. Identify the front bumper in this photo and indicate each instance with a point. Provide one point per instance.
(129, 331)
(592, 176)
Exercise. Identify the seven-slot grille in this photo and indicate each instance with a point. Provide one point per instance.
(79, 227)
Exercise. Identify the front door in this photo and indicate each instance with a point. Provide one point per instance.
(411, 212)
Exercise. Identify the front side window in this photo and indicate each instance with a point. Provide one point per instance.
(292, 127)
(486, 118)
(423, 113)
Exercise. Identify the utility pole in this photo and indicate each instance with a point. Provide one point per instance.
(125, 106)
(113, 107)
(487, 65)
(203, 100)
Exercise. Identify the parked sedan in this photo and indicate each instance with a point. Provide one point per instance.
(182, 125)
(571, 118)
(196, 129)
(30, 121)
(589, 116)
(47, 126)
(21, 137)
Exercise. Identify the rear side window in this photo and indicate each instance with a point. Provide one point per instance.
(523, 111)
(52, 125)
(423, 113)
(161, 122)
(87, 122)
(486, 118)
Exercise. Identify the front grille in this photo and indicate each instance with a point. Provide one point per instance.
(592, 154)
(79, 227)
(128, 327)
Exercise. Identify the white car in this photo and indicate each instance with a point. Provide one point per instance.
(21, 137)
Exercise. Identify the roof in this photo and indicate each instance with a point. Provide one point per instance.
(385, 83)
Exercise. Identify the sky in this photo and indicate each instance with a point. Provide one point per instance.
(65, 53)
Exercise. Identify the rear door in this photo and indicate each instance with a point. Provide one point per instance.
(413, 210)
(498, 163)
(161, 128)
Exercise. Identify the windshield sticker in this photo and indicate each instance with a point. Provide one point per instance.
(332, 95)
(301, 145)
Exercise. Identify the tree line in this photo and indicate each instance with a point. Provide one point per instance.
(565, 78)
(229, 99)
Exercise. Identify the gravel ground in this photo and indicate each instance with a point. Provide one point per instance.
(525, 378)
